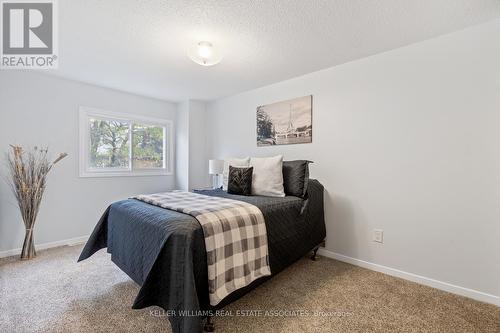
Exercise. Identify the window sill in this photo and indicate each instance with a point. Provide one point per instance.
(90, 174)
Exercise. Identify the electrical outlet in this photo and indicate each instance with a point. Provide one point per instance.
(378, 235)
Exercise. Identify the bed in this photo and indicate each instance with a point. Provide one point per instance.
(163, 251)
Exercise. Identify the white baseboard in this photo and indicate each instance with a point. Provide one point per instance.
(43, 246)
(451, 288)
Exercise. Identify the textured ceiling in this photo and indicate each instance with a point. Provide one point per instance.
(140, 46)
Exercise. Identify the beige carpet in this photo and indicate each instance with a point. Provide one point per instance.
(53, 293)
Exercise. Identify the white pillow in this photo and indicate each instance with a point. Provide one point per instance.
(235, 162)
(267, 176)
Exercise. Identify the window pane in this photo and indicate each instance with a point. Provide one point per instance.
(147, 148)
(109, 146)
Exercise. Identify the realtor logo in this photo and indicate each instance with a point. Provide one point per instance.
(28, 34)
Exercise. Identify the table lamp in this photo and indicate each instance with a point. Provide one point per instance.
(215, 168)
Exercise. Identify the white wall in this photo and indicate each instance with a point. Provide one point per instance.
(198, 158)
(192, 160)
(36, 109)
(406, 141)
(182, 146)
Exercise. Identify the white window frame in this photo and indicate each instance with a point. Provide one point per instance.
(86, 113)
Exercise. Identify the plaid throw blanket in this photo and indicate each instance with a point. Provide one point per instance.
(235, 238)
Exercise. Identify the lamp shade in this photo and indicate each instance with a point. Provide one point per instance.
(215, 167)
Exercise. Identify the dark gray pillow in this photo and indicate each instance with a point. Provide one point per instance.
(296, 177)
(240, 180)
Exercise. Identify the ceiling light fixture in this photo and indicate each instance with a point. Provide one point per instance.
(204, 53)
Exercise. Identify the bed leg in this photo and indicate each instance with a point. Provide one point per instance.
(209, 325)
(315, 251)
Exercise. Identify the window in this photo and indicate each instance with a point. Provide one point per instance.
(113, 144)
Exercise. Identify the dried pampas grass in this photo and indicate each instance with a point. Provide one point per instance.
(28, 171)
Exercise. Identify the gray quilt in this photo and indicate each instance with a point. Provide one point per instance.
(164, 251)
(235, 238)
